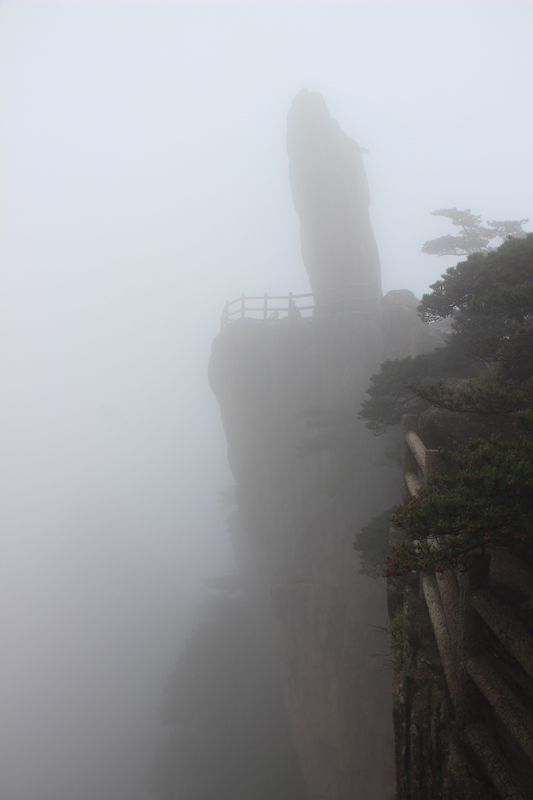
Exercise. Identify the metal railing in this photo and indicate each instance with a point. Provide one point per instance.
(416, 458)
(265, 308)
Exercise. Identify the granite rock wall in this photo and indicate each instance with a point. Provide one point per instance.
(326, 614)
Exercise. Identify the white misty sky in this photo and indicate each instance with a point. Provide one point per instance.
(144, 182)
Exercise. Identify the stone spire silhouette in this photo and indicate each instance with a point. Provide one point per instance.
(331, 195)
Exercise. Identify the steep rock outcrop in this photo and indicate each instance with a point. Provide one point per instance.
(463, 652)
(331, 195)
(338, 699)
(266, 375)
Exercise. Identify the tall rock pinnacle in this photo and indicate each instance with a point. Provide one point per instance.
(331, 195)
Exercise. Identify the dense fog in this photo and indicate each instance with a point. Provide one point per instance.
(144, 183)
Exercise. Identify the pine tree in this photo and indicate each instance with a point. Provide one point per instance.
(483, 494)
(474, 237)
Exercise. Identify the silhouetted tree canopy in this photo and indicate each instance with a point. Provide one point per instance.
(473, 237)
(490, 298)
(483, 497)
(483, 494)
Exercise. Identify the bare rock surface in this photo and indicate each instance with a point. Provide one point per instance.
(338, 699)
(331, 195)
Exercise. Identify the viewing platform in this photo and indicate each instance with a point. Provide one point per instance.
(267, 307)
(356, 299)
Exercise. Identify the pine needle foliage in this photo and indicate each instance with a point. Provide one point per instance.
(497, 397)
(480, 276)
(490, 297)
(391, 395)
(473, 236)
(483, 496)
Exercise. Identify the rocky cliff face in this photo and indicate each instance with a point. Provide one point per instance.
(331, 195)
(337, 697)
(267, 374)
(463, 682)
(467, 737)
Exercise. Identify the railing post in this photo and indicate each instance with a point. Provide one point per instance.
(292, 309)
(432, 463)
(409, 462)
